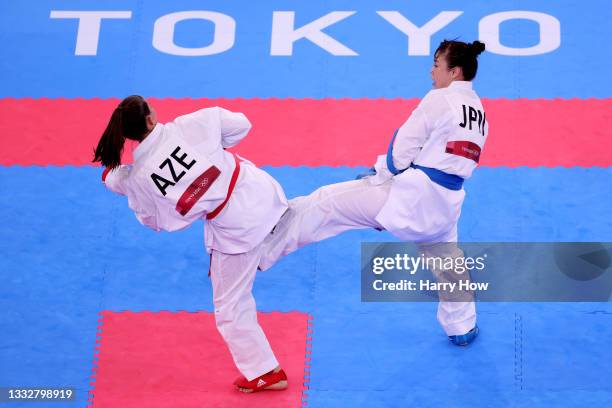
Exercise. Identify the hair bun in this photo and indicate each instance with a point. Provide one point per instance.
(477, 47)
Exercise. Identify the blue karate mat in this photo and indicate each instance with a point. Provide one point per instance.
(82, 251)
(71, 249)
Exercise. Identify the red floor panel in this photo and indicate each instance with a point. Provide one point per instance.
(309, 132)
(174, 360)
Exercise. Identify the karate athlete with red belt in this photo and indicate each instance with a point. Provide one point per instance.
(414, 191)
(182, 173)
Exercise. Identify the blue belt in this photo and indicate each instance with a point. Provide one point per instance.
(450, 181)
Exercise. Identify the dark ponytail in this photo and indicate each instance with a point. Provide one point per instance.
(460, 54)
(128, 121)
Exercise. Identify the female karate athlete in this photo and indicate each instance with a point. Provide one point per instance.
(182, 173)
(415, 191)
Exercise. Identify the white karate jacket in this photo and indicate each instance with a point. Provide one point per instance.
(182, 172)
(447, 131)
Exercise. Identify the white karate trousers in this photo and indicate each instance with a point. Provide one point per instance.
(236, 314)
(340, 207)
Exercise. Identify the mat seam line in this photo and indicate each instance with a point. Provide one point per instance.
(518, 351)
(310, 333)
(100, 320)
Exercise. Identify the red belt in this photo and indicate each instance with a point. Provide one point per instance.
(230, 190)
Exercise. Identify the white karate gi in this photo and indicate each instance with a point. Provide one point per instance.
(181, 173)
(409, 205)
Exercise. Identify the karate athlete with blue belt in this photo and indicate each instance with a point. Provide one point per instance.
(415, 191)
(182, 173)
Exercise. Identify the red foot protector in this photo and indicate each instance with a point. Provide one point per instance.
(264, 382)
(178, 359)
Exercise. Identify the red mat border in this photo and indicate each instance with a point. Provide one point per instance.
(98, 345)
(318, 132)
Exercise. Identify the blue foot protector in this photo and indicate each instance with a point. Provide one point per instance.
(465, 339)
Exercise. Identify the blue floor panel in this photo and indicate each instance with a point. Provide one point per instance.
(520, 360)
(72, 249)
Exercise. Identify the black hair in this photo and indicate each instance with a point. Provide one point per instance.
(128, 121)
(460, 54)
